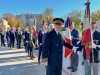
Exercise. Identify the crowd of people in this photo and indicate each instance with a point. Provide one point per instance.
(49, 42)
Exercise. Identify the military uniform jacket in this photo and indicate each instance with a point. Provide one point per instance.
(96, 36)
(53, 48)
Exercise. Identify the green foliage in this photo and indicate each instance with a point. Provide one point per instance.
(75, 16)
(95, 15)
(12, 20)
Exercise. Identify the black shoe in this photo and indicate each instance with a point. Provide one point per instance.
(74, 70)
(69, 67)
(38, 62)
(31, 58)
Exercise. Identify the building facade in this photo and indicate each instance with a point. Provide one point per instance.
(28, 19)
(3, 25)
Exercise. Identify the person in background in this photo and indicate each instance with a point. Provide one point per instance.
(16, 33)
(74, 56)
(96, 48)
(36, 37)
(13, 40)
(2, 38)
(40, 39)
(32, 42)
(19, 37)
(23, 36)
(7, 36)
(26, 36)
(12, 37)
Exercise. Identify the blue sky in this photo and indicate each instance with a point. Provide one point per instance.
(60, 7)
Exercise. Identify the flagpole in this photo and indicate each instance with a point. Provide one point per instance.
(92, 47)
(92, 56)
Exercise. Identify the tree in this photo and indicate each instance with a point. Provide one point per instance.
(47, 15)
(12, 20)
(20, 23)
(75, 16)
(95, 15)
(48, 12)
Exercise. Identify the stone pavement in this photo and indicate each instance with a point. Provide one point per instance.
(16, 62)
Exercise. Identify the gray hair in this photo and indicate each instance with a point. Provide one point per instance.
(51, 26)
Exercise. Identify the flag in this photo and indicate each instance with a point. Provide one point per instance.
(87, 10)
(68, 39)
(86, 34)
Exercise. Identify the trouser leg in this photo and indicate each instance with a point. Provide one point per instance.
(31, 53)
(96, 68)
(75, 60)
(87, 67)
(40, 51)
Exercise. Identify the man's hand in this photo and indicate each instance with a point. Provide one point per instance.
(27, 41)
(33, 45)
(46, 63)
(92, 46)
(75, 48)
(40, 43)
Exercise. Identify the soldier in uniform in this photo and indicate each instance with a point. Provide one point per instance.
(96, 49)
(53, 49)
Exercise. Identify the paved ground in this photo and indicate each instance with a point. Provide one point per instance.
(16, 62)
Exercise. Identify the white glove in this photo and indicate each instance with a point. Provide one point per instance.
(75, 48)
(78, 52)
(93, 45)
(26, 41)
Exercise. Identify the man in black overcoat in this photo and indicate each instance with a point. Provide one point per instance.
(52, 54)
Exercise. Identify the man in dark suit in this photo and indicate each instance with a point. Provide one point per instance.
(74, 56)
(96, 49)
(52, 54)
(2, 38)
(12, 37)
(40, 39)
(18, 37)
(7, 36)
(26, 35)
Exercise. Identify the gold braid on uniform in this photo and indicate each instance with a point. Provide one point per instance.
(58, 21)
(45, 60)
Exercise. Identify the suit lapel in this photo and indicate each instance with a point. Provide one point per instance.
(61, 39)
(55, 35)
